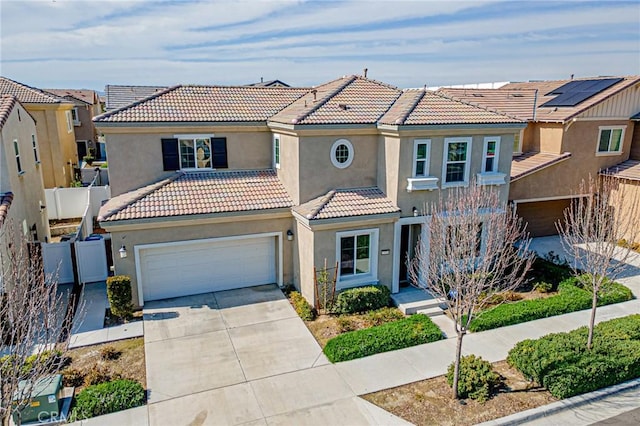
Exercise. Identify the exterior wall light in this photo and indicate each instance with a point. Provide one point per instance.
(123, 252)
(289, 235)
(415, 212)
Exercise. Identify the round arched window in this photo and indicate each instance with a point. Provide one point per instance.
(342, 153)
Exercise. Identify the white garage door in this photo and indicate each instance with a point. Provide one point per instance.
(199, 267)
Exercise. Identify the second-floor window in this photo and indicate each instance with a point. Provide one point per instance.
(276, 151)
(456, 160)
(490, 154)
(421, 155)
(610, 140)
(194, 152)
(34, 144)
(17, 151)
(69, 121)
(517, 142)
(75, 116)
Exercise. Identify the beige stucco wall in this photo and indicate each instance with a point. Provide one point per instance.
(323, 241)
(27, 188)
(627, 196)
(388, 165)
(86, 131)
(304, 261)
(635, 141)
(318, 175)
(563, 179)
(289, 171)
(404, 165)
(196, 231)
(57, 144)
(135, 154)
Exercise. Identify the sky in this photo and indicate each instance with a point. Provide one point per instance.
(88, 44)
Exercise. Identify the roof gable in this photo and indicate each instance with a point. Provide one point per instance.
(347, 203)
(27, 94)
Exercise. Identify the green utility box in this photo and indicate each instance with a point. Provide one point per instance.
(45, 401)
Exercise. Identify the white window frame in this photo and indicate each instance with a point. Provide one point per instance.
(485, 154)
(517, 137)
(277, 150)
(359, 279)
(427, 159)
(334, 159)
(467, 163)
(36, 153)
(69, 121)
(76, 119)
(194, 137)
(16, 150)
(610, 128)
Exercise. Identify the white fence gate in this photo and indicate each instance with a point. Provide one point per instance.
(56, 258)
(91, 259)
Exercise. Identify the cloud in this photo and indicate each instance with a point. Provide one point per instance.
(407, 43)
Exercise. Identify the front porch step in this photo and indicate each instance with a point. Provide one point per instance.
(411, 300)
(433, 311)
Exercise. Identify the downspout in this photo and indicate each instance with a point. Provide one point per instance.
(535, 104)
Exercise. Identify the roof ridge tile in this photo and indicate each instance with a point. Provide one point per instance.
(136, 103)
(325, 99)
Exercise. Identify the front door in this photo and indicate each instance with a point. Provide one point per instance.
(409, 237)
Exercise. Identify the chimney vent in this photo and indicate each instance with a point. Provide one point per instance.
(342, 106)
(365, 72)
(315, 93)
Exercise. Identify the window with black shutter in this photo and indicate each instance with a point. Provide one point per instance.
(219, 153)
(186, 152)
(170, 155)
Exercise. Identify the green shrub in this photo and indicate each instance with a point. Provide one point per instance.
(119, 295)
(561, 362)
(570, 298)
(362, 299)
(383, 316)
(53, 358)
(477, 379)
(543, 287)
(410, 331)
(107, 398)
(302, 307)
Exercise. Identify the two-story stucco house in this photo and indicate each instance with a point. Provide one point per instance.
(576, 128)
(55, 131)
(222, 187)
(21, 188)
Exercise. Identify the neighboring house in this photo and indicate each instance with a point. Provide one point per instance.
(21, 190)
(269, 83)
(118, 96)
(575, 129)
(86, 106)
(223, 187)
(55, 131)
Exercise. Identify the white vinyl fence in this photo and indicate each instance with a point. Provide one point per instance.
(68, 203)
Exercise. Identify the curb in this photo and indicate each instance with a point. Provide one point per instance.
(573, 402)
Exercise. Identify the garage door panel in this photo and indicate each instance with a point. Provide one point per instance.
(200, 267)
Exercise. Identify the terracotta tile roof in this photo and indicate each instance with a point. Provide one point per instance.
(118, 96)
(27, 94)
(530, 162)
(206, 104)
(517, 102)
(5, 204)
(423, 107)
(191, 193)
(84, 95)
(347, 100)
(347, 203)
(7, 102)
(629, 169)
(561, 114)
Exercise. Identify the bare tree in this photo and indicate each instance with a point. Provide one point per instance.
(476, 247)
(606, 213)
(33, 323)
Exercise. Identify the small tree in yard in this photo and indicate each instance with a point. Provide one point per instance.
(476, 247)
(590, 232)
(33, 324)
(119, 295)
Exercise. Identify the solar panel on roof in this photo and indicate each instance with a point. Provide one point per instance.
(575, 92)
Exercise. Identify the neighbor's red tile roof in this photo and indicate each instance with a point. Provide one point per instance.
(5, 204)
(7, 102)
(27, 94)
(206, 104)
(347, 100)
(423, 107)
(85, 95)
(347, 203)
(530, 162)
(190, 193)
(629, 169)
(561, 114)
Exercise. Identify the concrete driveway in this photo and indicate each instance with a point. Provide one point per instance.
(242, 356)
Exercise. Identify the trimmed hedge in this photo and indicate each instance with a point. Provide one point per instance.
(414, 330)
(302, 307)
(362, 299)
(119, 295)
(570, 298)
(477, 379)
(107, 398)
(561, 362)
